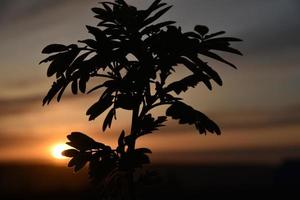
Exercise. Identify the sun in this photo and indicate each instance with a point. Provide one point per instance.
(58, 149)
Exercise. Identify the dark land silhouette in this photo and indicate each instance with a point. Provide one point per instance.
(244, 181)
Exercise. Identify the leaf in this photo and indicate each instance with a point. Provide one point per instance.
(108, 84)
(202, 30)
(76, 64)
(228, 49)
(154, 6)
(52, 48)
(214, 34)
(48, 59)
(61, 92)
(148, 124)
(100, 106)
(61, 62)
(224, 39)
(193, 35)
(99, 11)
(156, 16)
(121, 139)
(70, 152)
(156, 27)
(184, 84)
(74, 87)
(83, 142)
(79, 161)
(197, 72)
(82, 83)
(217, 57)
(221, 44)
(108, 119)
(55, 88)
(187, 115)
(121, 143)
(90, 42)
(98, 33)
(208, 70)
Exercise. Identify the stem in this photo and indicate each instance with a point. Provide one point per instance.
(131, 148)
(133, 132)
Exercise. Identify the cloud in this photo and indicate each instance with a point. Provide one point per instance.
(18, 106)
(289, 116)
(12, 11)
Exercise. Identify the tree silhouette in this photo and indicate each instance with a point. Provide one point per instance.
(133, 57)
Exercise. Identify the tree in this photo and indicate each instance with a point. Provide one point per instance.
(133, 56)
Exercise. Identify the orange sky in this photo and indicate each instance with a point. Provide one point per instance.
(257, 108)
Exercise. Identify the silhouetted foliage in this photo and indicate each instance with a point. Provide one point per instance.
(132, 57)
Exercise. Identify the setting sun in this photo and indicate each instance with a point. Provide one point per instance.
(58, 149)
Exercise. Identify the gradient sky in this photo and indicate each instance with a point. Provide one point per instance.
(257, 108)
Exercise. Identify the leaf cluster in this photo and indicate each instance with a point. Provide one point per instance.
(104, 162)
(131, 56)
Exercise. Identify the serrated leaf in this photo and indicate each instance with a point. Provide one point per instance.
(83, 142)
(149, 124)
(183, 84)
(187, 115)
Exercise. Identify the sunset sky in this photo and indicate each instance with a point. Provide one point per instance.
(257, 108)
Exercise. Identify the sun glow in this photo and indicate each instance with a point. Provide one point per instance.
(58, 149)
